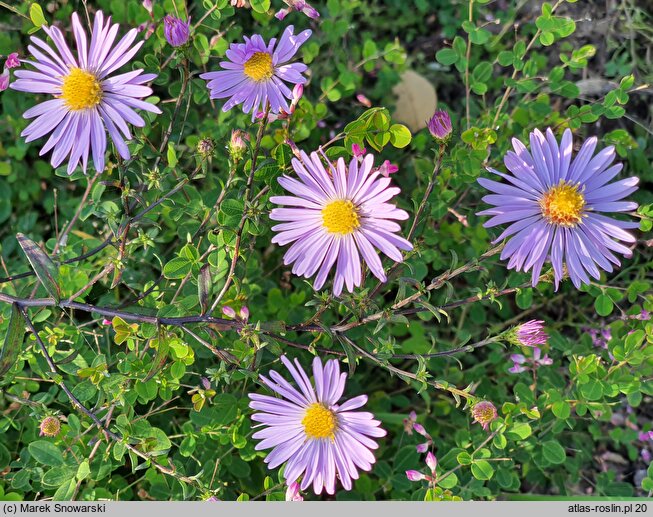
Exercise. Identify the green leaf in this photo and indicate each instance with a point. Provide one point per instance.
(45, 453)
(446, 56)
(553, 452)
(399, 135)
(83, 470)
(260, 6)
(482, 470)
(36, 15)
(13, 340)
(178, 267)
(561, 409)
(172, 155)
(603, 305)
(46, 271)
(65, 491)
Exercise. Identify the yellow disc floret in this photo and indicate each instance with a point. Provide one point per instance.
(259, 66)
(81, 90)
(340, 217)
(563, 204)
(319, 422)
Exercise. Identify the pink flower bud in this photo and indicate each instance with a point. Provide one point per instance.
(292, 493)
(176, 31)
(228, 311)
(431, 461)
(440, 126)
(12, 61)
(388, 168)
(364, 100)
(419, 429)
(422, 447)
(148, 5)
(4, 80)
(244, 313)
(414, 475)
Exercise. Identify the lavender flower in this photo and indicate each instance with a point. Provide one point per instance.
(530, 334)
(552, 206)
(86, 101)
(522, 363)
(300, 6)
(176, 31)
(255, 72)
(439, 126)
(307, 429)
(484, 413)
(335, 218)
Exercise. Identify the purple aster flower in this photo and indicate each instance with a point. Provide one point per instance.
(440, 126)
(176, 31)
(552, 205)
(530, 333)
(255, 72)
(484, 413)
(87, 101)
(310, 431)
(335, 218)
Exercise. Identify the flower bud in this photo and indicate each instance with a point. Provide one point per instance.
(530, 333)
(414, 475)
(176, 31)
(292, 493)
(12, 61)
(244, 313)
(431, 461)
(50, 426)
(4, 80)
(205, 147)
(422, 447)
(238, 145)
(228, 311)
(440, 126)
(484, 413)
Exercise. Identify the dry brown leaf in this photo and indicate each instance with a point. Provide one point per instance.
(416, 100)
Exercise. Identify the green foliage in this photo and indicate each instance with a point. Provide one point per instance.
(127, 273)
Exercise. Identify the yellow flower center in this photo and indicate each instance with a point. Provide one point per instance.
(81, 90)
(563, 204)
(319, 422)
(340, 217)
(259, 66)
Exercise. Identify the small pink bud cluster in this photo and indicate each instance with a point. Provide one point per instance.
(243, 314)
(238, 145)
(432, 463)
(300, 6)
(292, 493)
(11, 62)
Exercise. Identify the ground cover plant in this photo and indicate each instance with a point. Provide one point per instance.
(341, 250)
